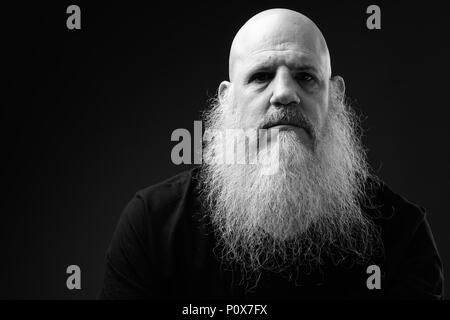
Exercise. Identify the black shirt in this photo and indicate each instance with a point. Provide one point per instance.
(163, 248)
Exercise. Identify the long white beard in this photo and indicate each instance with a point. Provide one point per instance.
(308, 209)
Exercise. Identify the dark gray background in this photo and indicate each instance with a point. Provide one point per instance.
(89, 114)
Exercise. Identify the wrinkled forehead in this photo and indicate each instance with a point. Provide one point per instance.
(277, 39)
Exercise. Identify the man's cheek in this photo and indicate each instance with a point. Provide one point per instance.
(315, 113)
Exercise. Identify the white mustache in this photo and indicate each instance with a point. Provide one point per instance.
(289, 116)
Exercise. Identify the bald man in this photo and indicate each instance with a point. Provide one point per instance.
(319, 226)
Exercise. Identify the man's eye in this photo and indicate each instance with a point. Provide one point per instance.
(260, 77)
(306, 77)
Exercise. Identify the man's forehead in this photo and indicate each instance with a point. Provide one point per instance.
(279, 32)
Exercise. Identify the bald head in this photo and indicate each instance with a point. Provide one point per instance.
(279, 30)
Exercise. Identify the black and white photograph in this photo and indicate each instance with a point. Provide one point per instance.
(228, 155)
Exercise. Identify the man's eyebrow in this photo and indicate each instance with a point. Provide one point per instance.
(306, 67)
(268, 66)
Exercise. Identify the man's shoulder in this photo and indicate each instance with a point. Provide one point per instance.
(393, 209)
(173, 183)
(169, 193)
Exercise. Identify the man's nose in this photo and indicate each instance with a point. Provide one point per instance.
(285, 90)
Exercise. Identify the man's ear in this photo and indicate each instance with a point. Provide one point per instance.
(338, 84)
(224, 87)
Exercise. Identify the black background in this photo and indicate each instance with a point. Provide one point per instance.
(89, 114)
